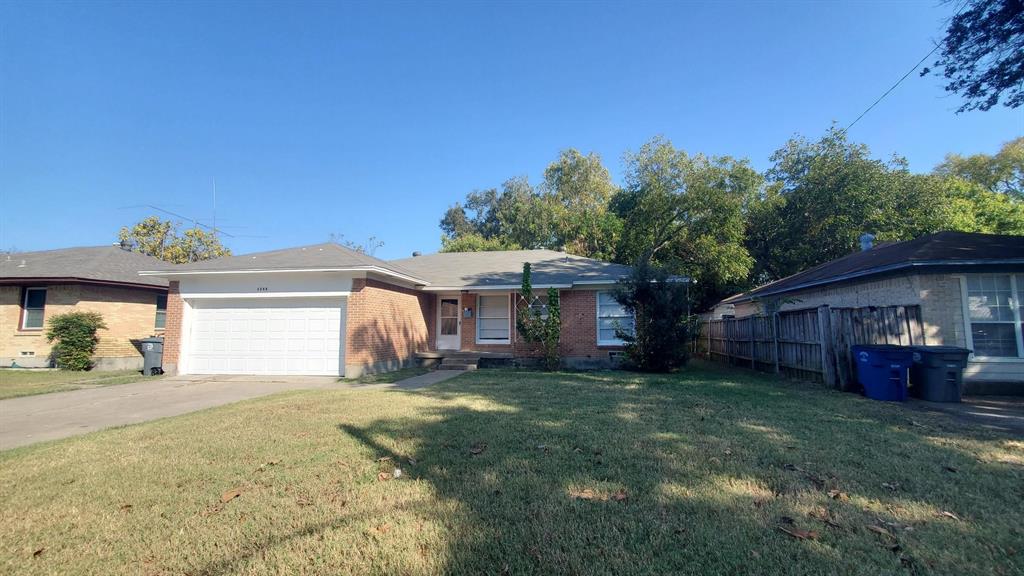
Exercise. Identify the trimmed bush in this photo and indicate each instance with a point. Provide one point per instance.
(75, 333)
(662, 331)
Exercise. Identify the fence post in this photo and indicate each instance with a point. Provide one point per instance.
(775, 339)
(710, 328)
(828, 372)
(753, 351)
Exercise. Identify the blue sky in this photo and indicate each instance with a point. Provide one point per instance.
(371, 119)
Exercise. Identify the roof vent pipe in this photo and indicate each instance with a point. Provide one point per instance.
(415, 254)
(867, 241)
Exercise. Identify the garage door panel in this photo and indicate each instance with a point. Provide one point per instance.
(264, 336)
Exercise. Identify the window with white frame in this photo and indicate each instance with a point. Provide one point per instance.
(611, 316)
(994, 314)
(161, 311)
(492, 319)
(33, 308)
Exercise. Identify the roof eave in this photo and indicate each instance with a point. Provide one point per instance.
(8, 281)
(870, 272)
(375, 269)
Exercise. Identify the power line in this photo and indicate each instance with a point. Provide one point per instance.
(893, 87)
(956, 13)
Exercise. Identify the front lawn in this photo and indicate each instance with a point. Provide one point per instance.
(506, 472)
(28, 382)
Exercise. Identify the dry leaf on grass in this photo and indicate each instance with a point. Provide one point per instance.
(949, 514)
(952, 469)
(620, 495)
(38, 552)
(382, 476)
(894, 486)
(383, 528)
(798, 533)
(478, 449)
(727, 452)
(230, 495)
(838, 495)
(880, 530)
(126, 507)
(585, 494)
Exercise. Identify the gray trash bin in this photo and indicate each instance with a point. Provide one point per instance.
(152, 356)
(937, 374)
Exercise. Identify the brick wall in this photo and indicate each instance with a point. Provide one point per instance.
(578, 335)
(129, 313)
(173, 326)
(386, 326)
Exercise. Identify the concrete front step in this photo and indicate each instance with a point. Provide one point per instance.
(456, 366)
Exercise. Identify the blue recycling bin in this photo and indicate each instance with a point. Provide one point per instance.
(882, 370)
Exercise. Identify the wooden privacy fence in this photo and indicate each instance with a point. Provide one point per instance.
(811, 343)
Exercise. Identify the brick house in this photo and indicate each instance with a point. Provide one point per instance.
(35, 286)
(969, 288)
(327, 310)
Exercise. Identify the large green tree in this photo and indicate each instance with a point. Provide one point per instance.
(577, 192)
(161, 239)
(1001, 172)
(982, 55)
(569, 211)
(823, 195)
(686, 213)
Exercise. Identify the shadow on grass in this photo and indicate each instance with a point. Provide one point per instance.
(620, 473)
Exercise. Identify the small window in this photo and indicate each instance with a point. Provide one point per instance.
(611, 316)
(161, 311)
(33, 309)
(492, 319)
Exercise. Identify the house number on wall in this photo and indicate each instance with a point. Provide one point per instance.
(262, 289)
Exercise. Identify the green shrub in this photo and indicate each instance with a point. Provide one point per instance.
(663, 328)
(540, 326)
(75, 333)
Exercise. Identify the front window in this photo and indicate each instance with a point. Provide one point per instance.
(492, 319)
(161, 311)
(611, 316)
(993, 309)
(33, 309)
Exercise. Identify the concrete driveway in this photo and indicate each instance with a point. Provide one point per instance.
(33, 419)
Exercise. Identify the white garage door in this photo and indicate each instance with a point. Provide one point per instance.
(267, 336)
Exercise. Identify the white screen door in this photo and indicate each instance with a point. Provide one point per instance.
(448, 324)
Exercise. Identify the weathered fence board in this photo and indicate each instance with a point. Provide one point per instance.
(811, 343)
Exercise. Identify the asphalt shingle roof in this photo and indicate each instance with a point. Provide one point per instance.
(939, 248)
(316, 256)
(505, 268)
(94, 263)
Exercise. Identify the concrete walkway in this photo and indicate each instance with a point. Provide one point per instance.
(999, 413)
(423, 380)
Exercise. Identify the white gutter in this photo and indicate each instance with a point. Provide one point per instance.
(376, 269)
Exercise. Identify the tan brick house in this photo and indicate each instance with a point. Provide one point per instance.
(325, 309)
(35, 286)
(969, 288)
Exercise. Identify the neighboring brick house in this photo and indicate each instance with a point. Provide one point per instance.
(325, 309)
(35, 286)
(969, 288)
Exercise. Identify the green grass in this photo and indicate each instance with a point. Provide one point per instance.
(389, 377)
(518, 473)
(15, 383)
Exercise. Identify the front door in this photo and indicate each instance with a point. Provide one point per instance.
(448, 323)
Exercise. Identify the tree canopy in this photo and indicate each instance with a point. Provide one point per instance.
(730, 227)
(161, 239)
(982, 55)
